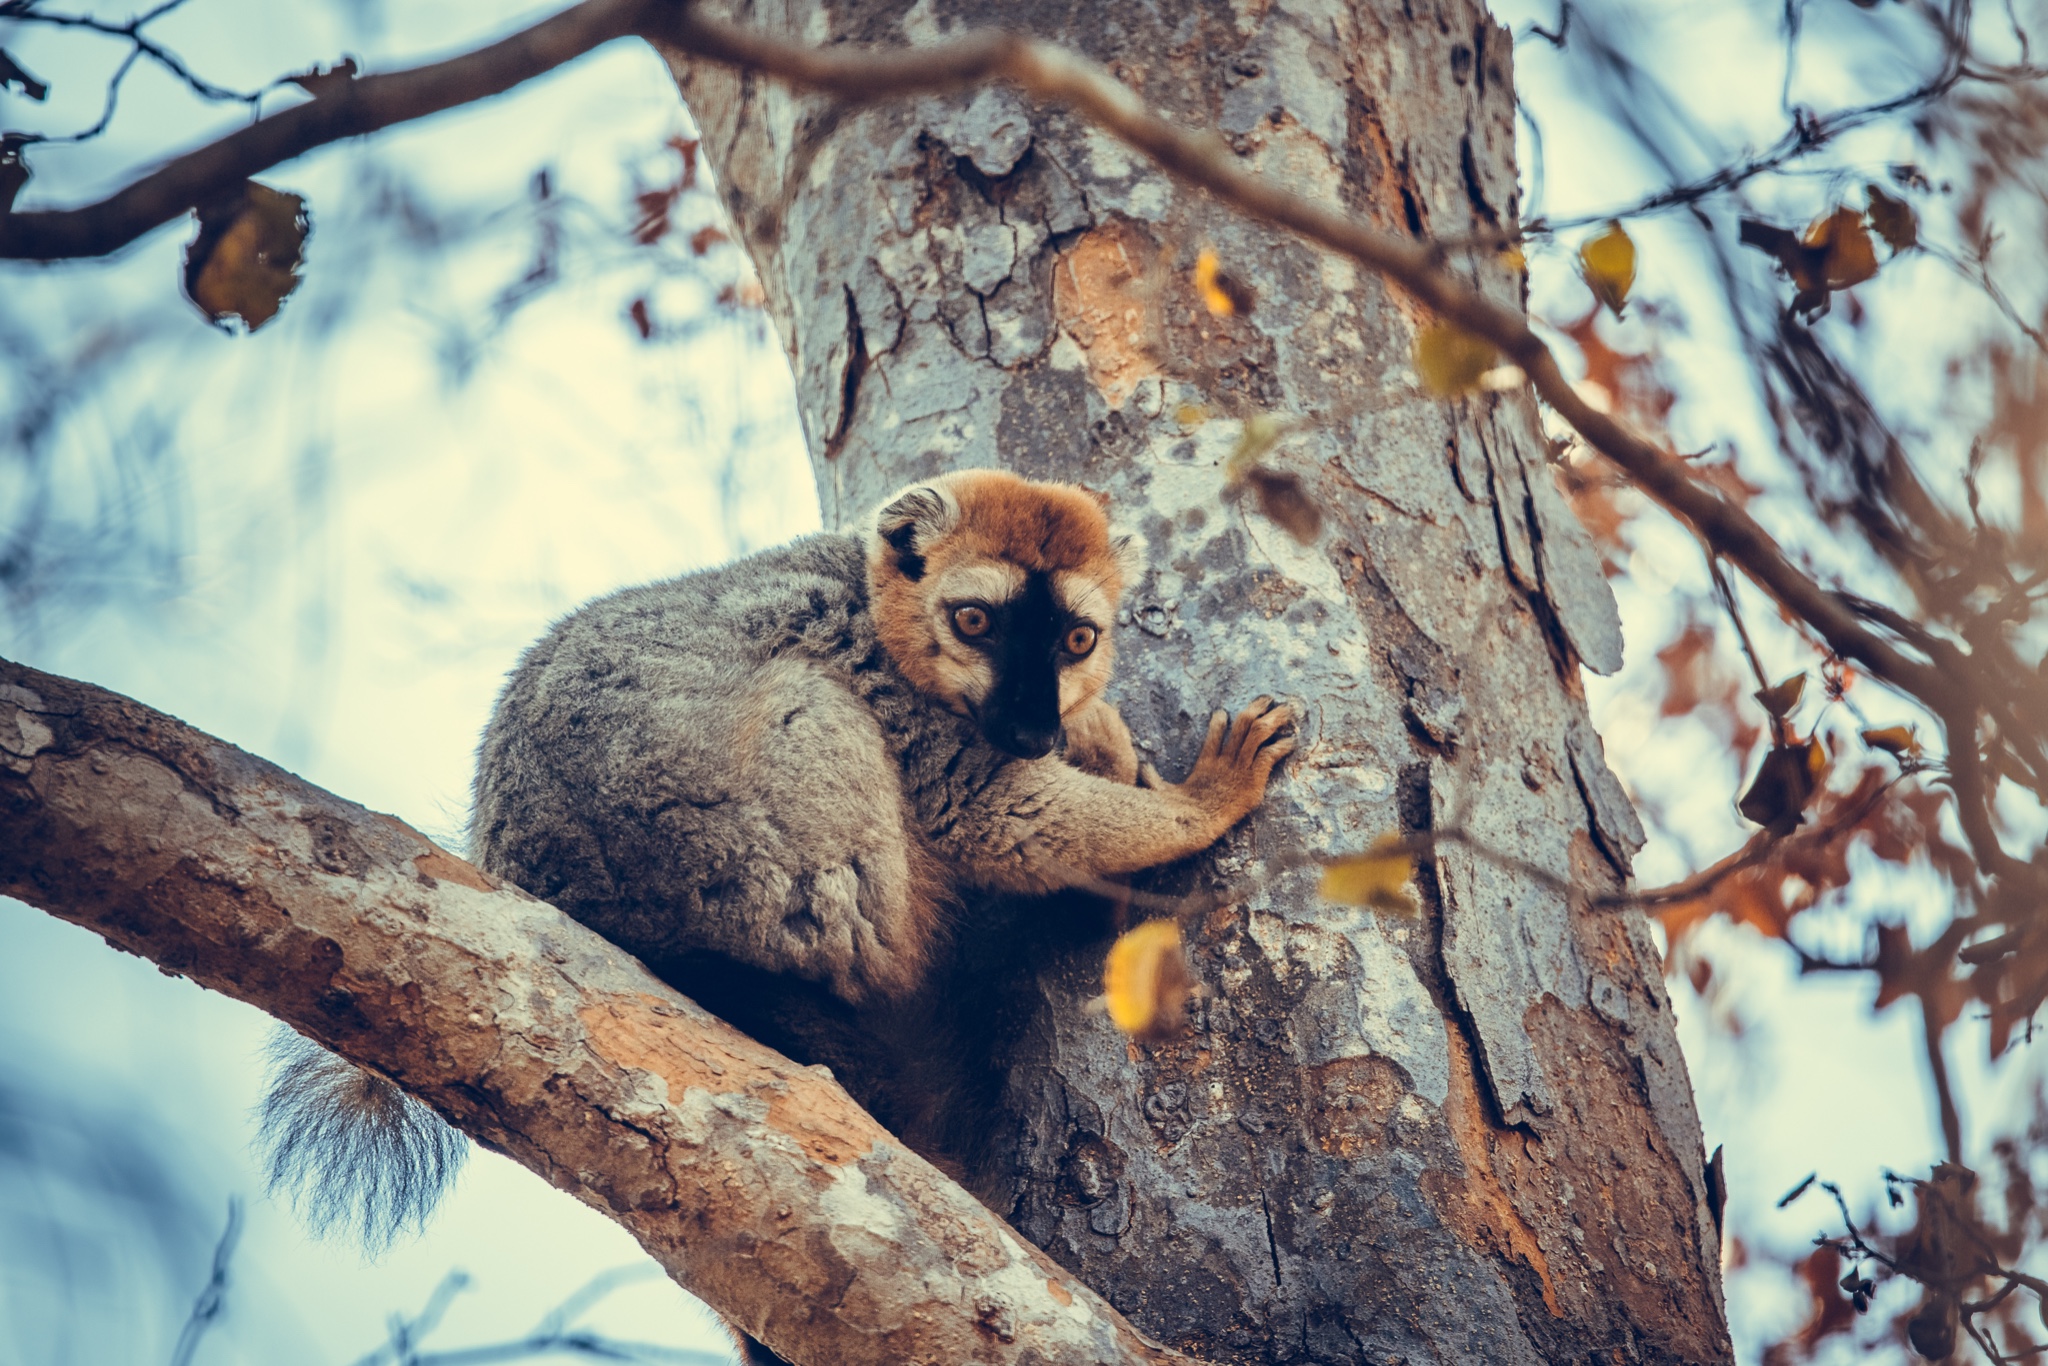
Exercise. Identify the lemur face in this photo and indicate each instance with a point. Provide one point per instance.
(995, 595)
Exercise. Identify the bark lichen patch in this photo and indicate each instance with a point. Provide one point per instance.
(636, 1033)
(1100, 301)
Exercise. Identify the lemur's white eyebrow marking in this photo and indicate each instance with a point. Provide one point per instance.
(990, 581)
(1083, 596)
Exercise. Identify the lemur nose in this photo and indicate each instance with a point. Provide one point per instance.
(1031, 742)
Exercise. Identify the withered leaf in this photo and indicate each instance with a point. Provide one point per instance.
(1145, 981)
(13, 78)
(1783, 786)
(1833, 253)
(323, 81)
(1901, 742)
(1283, 500)
(1451, 361)
(1780, 699)
(246, 258)
(1608, 265)
(1894, 220)
(1849, 256)
(1377, 878)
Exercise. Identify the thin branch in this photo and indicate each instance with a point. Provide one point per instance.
(345, 110)
(212, 1300)
(140, 46)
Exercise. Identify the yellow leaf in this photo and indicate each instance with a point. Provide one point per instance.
(1901, 742)
(1190, 414)
(1145, 981)
(1377, 878)
(1450, 361)
(1262, 432)
(1851, 258)
(1514, 258)
(1608, 265)
(1221, 293)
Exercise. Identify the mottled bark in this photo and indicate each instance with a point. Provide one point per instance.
(757, 1184)
(1465, 1138)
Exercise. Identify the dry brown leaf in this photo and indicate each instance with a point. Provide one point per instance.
(245, 260)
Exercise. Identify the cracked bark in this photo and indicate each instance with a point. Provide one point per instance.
(1468, 1138)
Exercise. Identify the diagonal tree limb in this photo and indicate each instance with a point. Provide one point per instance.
(1057, 77)
(757, 1184)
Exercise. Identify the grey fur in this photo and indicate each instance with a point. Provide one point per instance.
(729, 761)
(352, 1152)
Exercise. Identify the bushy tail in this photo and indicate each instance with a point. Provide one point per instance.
(353, 1152)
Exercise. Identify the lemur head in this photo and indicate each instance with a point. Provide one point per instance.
(995, 594)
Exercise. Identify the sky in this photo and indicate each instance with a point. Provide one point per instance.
(362, 513)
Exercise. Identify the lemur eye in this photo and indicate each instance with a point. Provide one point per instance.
(970, 621)
(1080, 640)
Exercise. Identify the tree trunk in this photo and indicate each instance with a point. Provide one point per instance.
(1463, 1137)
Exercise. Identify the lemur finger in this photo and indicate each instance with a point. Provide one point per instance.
(1233, 747)
(1148, 776)
(1269, 725)
(1272, 754)
(1212, 744)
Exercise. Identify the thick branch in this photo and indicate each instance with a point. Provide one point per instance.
(757, 1184)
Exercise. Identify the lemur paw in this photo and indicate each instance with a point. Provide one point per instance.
(1237, 758)
(1099, 742)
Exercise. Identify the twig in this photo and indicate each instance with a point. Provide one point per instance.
(212, 1300)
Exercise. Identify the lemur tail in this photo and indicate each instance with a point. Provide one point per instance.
(353, 1152)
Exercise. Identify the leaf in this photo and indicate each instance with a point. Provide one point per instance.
(1145, 981)
(1894, 220)
(1262, 432)
(13, 78)
(1782, 699)
(245, 260)
(1850, 257)
(1607, 263)
(1284, 501)
(1450, 361)
(1901, 742)
(1190, 414)
(1223, 294)
(323, 81)
(1784, 784)
(1377, 878)
(1833, 253)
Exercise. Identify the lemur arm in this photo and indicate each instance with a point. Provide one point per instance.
(1043, 825)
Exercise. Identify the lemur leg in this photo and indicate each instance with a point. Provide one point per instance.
(1099, 742)
(1041, 824)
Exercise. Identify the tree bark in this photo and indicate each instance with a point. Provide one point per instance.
(1466, 1137)
(758, 1185)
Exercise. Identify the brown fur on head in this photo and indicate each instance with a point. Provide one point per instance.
(1036, 561)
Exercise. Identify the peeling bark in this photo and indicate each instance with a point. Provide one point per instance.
(1467, 1138)
(759, 1185)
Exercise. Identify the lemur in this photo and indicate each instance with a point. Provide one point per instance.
(774, 781)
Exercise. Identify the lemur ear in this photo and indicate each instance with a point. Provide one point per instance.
(1129, 549)
(911, 521)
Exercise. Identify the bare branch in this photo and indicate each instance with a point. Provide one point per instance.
(757, 1184)
(345, 110)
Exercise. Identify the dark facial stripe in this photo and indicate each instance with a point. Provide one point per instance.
(1022, 711)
